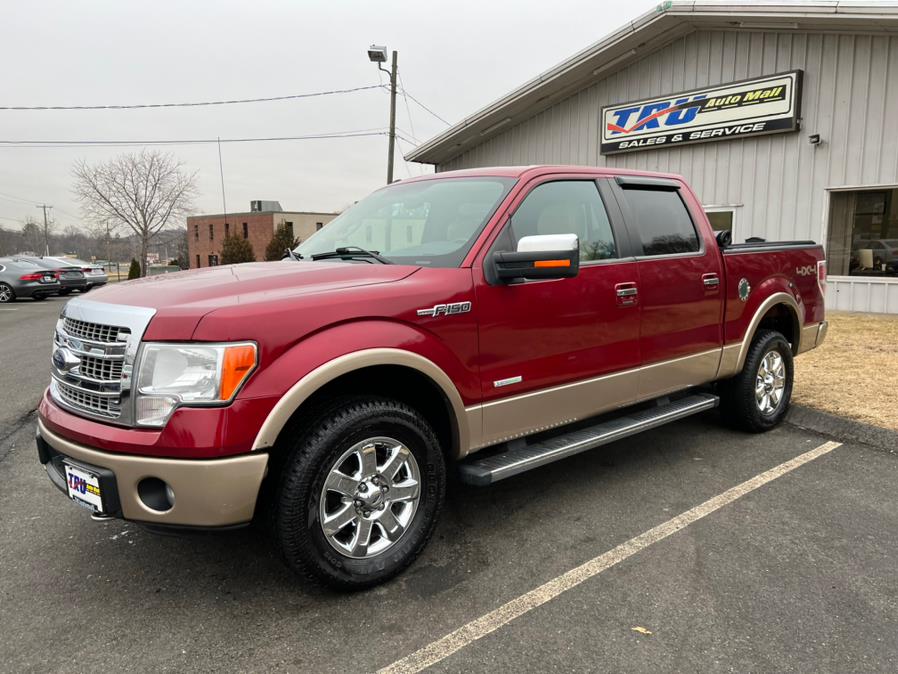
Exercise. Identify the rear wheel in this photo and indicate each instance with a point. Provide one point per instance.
(38, 297)
(64, 292)
(6, 294)
(360, 493)
(758, 398)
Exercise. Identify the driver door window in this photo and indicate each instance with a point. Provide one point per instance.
(565, 207)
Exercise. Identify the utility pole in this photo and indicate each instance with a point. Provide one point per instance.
(378, 54)
(392, 147)
(46, 229)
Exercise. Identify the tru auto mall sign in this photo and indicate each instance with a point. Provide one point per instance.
(747, 108)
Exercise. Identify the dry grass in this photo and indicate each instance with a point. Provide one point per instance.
(853, 372)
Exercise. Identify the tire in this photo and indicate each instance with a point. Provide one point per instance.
(742, 403)
(63, 293)
(332, 449)
(85, 289)
(38, 297)
(7, 294)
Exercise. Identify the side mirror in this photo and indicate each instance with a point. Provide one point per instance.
(548, 256)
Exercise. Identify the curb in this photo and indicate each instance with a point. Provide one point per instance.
(842, 428)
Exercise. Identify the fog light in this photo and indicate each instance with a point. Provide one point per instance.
(156, 494)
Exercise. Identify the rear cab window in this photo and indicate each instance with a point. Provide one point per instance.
(660, 221)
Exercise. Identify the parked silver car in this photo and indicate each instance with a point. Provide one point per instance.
(94, 273)
(22, 278)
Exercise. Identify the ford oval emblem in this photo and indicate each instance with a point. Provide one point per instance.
(64, 360)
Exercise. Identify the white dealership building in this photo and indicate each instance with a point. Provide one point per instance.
(783, 117)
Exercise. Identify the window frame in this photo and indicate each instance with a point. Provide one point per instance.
(612, 211)
(660, 185)
(724, 208)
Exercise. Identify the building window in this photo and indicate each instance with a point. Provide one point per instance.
(211, 232)
(722, 219)
(318, 226)
(863, 233)
(196, 232)
(213, 260)
(227, 230)
(198, 265)
(289, 227)
(245, 231)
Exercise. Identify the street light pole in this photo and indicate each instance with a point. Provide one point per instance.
(378, 54)
(392, 146)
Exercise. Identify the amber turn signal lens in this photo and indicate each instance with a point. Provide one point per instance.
(238, 362)
(552, 263)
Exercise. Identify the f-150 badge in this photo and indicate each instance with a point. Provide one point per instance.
(438, 310)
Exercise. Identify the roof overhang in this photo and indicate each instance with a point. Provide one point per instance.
(646, 34)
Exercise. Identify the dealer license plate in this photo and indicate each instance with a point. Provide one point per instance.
(84, 487)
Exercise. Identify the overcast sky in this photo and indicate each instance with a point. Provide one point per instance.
(455, 57)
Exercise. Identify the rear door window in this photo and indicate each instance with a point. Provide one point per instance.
(662, 222)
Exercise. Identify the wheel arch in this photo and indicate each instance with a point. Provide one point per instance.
(403, 373)
(781, 312)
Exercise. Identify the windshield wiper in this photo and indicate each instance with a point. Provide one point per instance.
(291, 254)
(350, 252)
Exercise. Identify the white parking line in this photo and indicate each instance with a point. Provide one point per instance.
(486, 624)
(9, 308)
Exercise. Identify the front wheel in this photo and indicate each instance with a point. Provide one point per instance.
(757, 398)
(360, 493)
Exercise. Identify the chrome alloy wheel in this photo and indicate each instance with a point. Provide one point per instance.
(5, 293)
(770, 382)
(369, 497)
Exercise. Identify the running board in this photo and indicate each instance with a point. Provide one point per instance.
(521, 458)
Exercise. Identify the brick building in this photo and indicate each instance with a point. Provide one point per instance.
(206, 233)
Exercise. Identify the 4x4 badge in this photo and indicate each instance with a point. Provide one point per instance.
(438, 310)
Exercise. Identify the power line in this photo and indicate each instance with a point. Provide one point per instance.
(408, 110)
(10, 197)
(405, 93)
(235, 101)
(185, 141)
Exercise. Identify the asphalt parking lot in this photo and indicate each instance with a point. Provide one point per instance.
(795, 573)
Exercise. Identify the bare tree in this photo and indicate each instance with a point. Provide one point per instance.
(144, 192)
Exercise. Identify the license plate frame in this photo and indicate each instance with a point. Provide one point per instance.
(83, 486)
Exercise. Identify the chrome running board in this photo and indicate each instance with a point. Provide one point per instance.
(521, 457)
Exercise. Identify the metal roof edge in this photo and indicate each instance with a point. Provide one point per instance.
(677, 13)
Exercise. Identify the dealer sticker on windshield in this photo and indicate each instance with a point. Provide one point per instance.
(84, 487)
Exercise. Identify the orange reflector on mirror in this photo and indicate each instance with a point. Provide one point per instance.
(552, 263)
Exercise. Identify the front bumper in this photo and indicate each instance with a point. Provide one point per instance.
(207, 493)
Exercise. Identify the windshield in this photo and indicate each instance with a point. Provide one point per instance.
(432, 222)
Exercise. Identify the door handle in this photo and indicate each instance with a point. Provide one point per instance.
(627, 293)
(711, 281)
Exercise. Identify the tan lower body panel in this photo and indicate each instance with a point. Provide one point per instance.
(812, 336)
(529, 413)
(208, 493)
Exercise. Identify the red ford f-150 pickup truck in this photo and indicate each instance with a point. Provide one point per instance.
(489, 321)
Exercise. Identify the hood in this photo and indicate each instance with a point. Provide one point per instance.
(181, 299)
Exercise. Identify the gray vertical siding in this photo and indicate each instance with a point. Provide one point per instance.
(779, 180)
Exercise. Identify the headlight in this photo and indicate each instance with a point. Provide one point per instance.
(173, 375)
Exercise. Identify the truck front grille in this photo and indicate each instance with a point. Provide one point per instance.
(94, 332)
(100, 369)
(92, 367)
(87, 401)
